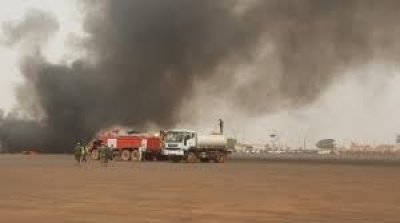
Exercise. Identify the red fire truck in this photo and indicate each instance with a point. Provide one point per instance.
(127, 145)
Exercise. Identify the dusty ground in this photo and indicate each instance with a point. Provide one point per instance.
(51, 189)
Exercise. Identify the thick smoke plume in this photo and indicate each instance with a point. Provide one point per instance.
(146, 57)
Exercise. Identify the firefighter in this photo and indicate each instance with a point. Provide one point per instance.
(109, 153)
(84, 152)
(105, 154)
(141, 151)
(78, 153)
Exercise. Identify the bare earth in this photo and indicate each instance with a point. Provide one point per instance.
(51, 189)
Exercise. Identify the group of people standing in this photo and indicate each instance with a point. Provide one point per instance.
(106, 154)
(81, 152)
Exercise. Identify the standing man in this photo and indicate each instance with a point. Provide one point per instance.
(84, 152)
(110, 151)
(105, 154)
(221, 126)
(141, 151)
(78, 153)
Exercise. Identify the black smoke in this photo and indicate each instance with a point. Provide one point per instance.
(144, 58)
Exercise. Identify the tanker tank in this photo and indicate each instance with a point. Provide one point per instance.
(212, 141)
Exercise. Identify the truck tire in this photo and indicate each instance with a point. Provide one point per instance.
(126, 155)
(174, 159)
(135, 155)
(191, 157)
(116, 155)
(95, 155)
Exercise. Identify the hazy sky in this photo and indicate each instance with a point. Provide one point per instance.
(68, 17)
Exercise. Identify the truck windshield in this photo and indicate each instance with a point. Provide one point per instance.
(174, 137)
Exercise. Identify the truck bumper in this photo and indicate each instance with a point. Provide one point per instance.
(174, 153)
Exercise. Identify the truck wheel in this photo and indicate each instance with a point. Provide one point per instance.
(174, 159)
(191, 157)
(95, 155)
(204, 160)
(116, 155)
(221, 157)
(135, 155)
(126, 155)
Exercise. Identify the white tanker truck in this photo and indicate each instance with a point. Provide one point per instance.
(188, 145)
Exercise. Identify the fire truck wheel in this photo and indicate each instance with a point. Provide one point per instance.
(116, 155)
(191, 157)
(126, 155)
(95, 154)
(135, 155)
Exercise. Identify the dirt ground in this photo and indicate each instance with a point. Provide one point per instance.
(51, 189)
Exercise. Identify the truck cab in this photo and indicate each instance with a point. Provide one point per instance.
(179, 142)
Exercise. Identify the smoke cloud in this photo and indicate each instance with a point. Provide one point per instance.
(148, 60)
(35, 28)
